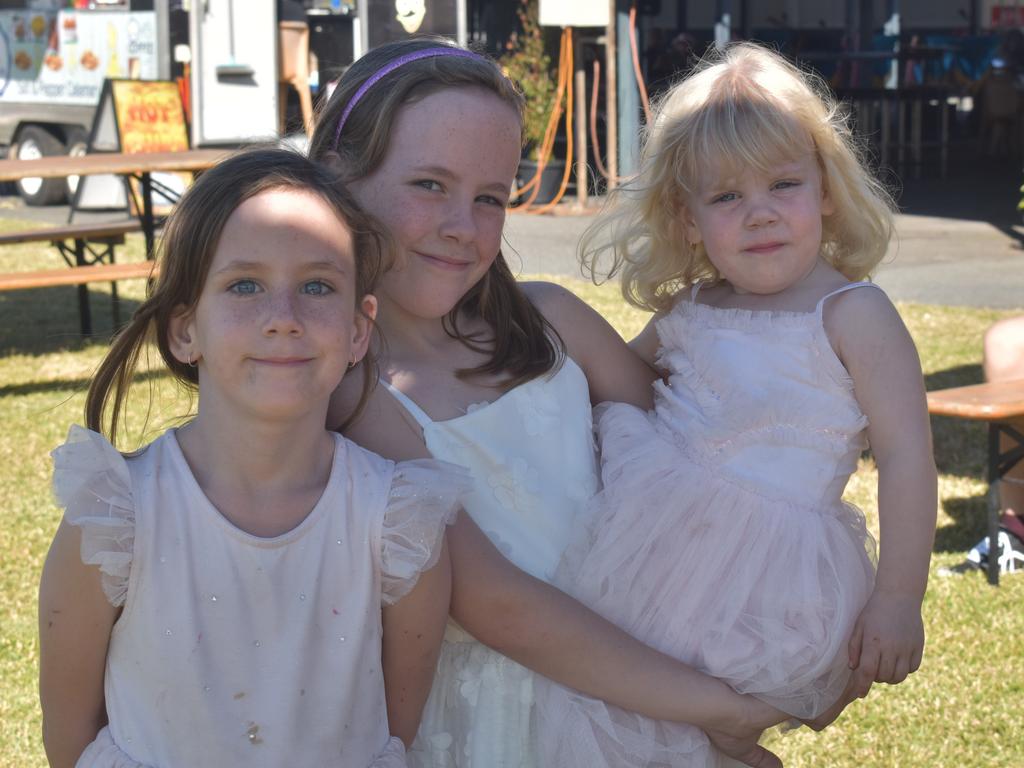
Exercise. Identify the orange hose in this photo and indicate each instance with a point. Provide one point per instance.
(636, 63)
(593, 122)
(566, 58)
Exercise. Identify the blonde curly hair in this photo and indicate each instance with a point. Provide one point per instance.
(743, 107)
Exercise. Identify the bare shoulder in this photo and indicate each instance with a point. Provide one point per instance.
(554, 301)
(859, 310)
(383, 426)
(865, 327)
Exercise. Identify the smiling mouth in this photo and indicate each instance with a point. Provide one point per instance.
(764, 248)
(444, 263)
(281, 362)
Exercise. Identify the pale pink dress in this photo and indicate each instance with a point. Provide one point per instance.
(233, 649)
(721, 537)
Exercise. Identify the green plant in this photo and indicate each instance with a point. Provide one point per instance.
(527, 63)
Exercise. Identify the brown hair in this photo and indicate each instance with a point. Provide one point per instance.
(187, 249)
(525, 345)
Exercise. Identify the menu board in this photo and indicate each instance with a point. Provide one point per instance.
(63, 57)
(149, 115)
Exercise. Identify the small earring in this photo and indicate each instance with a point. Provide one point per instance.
(191, 363)
(351, 365)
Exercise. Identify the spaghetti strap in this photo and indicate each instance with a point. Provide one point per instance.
(414, 410)
(844, 289)
(693, 291)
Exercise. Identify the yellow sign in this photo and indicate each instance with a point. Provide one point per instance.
(149, 115)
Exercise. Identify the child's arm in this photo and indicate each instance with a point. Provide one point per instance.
(645, 344)
(875, 347)
(614, 372)
(546, 630)
(413, 629)
(75, 620)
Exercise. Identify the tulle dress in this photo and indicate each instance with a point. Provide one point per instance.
(532, 459)
(720, 536)
(232, 649)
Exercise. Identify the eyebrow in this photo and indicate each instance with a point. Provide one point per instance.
(240, 265)
(444, 173)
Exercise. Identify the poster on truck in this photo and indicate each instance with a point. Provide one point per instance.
(64, 56)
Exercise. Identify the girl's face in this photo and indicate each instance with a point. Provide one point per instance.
(441, 190)
(276, 323)
(761, 231)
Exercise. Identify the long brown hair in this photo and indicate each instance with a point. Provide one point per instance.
(525, 345)
(187, 249)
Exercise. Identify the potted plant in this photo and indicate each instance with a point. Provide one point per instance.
(527, 62)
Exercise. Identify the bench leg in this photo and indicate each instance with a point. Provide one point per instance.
(999, 463)
(993, 504)
(115, 302)
(84, 315)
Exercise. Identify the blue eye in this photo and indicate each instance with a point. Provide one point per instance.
(786, 184)
(491, 200)
(317, 288)
(243, 287)
(429, 184)
(728, 197)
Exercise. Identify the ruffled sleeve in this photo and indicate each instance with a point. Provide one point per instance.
(92, 483)
(424, 498)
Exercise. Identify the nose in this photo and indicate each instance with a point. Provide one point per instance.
(282, 314)
(760, 211)
(459, 223)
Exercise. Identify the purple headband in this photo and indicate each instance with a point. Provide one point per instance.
(391, 66)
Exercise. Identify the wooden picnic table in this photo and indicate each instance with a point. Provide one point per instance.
(997, 403)
(140, 165)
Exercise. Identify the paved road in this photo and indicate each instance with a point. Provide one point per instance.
(931, 260)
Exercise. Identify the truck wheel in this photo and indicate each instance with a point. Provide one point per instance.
(34, 142)
(77, 145)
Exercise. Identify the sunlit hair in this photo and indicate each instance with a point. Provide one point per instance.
(524, 345)
(743, 108)
(187, 249)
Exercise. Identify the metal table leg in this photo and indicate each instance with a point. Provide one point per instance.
(999, 463)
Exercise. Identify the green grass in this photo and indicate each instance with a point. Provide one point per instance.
(963, 708)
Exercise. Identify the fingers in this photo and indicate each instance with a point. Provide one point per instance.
(866, 671)
(915, 658)
(759, 757)
(856, 640)
(887, 663)
(901, 669)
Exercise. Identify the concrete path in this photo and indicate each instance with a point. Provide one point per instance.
(932, 260)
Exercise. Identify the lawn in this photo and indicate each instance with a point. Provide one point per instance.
(964, 708)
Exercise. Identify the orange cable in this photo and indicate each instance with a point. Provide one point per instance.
(593, 122)
(636, 63)
(546, 144)
(568, 59)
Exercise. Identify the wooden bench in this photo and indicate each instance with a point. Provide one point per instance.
(88, 250)
(996, 403)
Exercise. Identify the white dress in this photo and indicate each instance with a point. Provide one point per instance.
(232, 649)
(721, 537)
(532, 460)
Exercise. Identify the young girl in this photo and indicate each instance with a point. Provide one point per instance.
(486, 373)
(720, 536)
(215, 598)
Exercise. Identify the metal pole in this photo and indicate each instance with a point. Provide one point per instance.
(461, 23)
(611, 96)
(723, 22)
(580, 94)
(628, 96)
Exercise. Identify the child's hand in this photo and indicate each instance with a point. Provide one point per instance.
(739, 740)
(746, 750)
(829, 716)
(887, 640)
